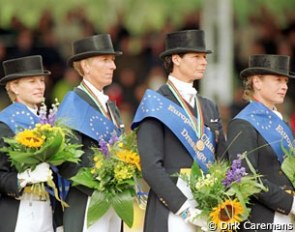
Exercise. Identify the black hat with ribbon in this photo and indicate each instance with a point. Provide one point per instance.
(92, 46)
(185, 41)
(27, 66)
(268, 64)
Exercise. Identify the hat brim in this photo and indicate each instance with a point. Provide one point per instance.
(182, 50)
(85, 55)
(12, 77)
(262, 71)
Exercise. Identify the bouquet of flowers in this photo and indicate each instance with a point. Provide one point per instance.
(288, 164)
(114, 176)
(223, 193)
(46, 142)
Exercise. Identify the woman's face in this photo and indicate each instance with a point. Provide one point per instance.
(99, 70)
(29, 90)
(270, 89)
(189, 67)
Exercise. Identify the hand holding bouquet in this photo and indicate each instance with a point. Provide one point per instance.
(31, 151)
(114, 176)
(223, 193)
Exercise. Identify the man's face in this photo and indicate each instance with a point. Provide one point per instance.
(189, 67)
(99, 70)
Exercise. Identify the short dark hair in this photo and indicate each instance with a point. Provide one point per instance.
(168, 63)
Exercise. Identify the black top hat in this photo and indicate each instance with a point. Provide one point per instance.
(185, 41)
(268, 64)
(92, 46)
(27, 66)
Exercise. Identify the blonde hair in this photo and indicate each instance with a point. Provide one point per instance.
(249, 87)
(77, 66)
(12, 96)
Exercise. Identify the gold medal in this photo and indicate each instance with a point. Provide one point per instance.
(200, 145)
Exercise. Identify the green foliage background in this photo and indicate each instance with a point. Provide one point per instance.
(138, 15)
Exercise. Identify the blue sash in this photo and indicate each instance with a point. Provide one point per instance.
(174, 117)
(77, 114)
(274, 130)
(18, 117)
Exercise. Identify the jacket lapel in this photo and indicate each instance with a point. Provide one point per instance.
(86, 98)
(115, 111)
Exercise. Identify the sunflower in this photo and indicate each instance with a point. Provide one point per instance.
(229, 212)
(130, 158)
(30, 139)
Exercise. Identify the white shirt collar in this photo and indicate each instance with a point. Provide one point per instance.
(99, 94)
(278, 114)
(33, 110)
(186, 90)
(183, 87)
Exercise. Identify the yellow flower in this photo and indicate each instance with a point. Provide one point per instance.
(41, 128)
(45, 126)
(207, 180)
(228, 212)
(29, 139)
(98, 164)
(130, 158)
(123, 172)
(38, 125)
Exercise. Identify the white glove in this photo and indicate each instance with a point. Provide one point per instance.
(193, 217)
(293, 207)
(41, 173)
(60, 229)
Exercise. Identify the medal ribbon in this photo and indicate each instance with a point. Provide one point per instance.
(84, 86)
(155, 105)
(198, 125)
(112, 115)
(109, 114)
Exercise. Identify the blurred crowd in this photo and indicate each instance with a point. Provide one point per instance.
(139, 67)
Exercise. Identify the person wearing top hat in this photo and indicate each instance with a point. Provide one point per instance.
(260, 130)
(92, 116)
(176, 126)
(20, 210)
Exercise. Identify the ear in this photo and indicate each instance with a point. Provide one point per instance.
(14, 87)
(85, 65)
(257, 82)
(176, 59)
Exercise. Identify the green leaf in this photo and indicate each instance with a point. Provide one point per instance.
(23, 160)
(98, 206)
(123, 205)
(288, 168)
(69, 154)
(196, 171)
(84, 177)
(51, 146)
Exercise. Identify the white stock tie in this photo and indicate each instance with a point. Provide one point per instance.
(189, 96)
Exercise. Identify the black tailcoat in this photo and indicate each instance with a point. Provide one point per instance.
(9, 190)
(78, 195)
(242, 136)
(162, 155)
